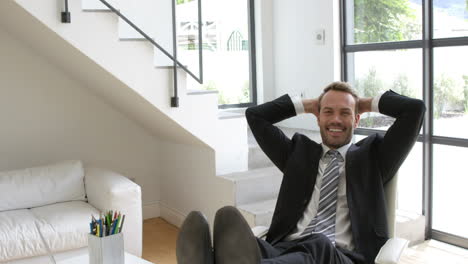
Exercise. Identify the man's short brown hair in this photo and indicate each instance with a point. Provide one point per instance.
(341, 87)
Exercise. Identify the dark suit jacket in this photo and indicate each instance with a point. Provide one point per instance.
(370, 163)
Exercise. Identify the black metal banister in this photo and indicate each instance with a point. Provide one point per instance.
(177, 64)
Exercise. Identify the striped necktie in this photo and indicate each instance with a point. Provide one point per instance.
(324, 221)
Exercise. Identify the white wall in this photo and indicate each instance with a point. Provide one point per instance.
(264, 50)
(300, 65)
(232, 152)
(188, 182)
(46, 116)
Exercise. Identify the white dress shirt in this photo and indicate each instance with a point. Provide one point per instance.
(343, 234)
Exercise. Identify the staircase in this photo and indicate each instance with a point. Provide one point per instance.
(118, 68)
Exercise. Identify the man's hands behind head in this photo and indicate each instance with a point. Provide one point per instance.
(364, 105)
(311, 106)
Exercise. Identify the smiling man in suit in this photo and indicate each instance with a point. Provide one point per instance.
(331, 205)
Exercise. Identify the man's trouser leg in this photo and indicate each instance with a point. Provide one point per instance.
(314, 249)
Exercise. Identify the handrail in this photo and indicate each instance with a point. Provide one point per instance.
(174, 100)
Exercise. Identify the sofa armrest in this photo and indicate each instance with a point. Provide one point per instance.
(107, 190)
(391, 251)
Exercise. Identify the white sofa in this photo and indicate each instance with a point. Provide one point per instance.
(54, 204)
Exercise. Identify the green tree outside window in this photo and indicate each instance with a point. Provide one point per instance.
(400, 85)
(385, 20)
(465, 90)
(179, 2)
(444, 94)
(370, 85)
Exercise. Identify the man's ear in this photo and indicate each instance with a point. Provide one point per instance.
(357, 119)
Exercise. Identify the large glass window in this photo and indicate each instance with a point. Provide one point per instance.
(371, 21)
(409, 190)
(450, 18)
(410, 181)
(450, 181)
(417, 48)
(227, 55)
(373, 72)
(451, 92)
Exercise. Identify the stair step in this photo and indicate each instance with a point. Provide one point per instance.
(133, 39)
(410, 226)
(256, 185)
(201, 92)
(96, 5)
(289, 132)
(228, 115)
(258, 158)
(258, 213)
(159, 58)
(231, 148)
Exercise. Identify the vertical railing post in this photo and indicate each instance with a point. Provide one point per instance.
(200, 41)
(175, 98)
(66, 16)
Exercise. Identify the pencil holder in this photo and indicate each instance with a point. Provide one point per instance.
(106, 250)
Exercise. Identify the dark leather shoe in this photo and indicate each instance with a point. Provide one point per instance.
(194, 241)
(234, 242)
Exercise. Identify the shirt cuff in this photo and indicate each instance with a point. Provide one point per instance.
(375, 103)
(298, 106)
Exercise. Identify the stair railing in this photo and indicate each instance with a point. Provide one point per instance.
(66, 18)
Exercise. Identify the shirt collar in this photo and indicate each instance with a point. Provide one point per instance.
(342, 150)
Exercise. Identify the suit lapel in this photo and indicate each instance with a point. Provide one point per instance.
(312, 169)
(350, 184)
(350, 174)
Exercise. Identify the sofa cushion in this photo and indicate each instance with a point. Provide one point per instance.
(19, 237)
(65, 225)
(26, 188)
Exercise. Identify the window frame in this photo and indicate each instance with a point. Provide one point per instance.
(252, 61)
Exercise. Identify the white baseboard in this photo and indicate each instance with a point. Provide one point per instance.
(151, 210)
(158, 209)
(171, 215)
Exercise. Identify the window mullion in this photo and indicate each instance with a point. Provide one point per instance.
(409, 44)
(448, 42)
(428, 124)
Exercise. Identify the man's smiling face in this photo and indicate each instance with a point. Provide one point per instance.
(337, 119)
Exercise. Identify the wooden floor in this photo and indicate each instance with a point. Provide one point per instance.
(159, 239)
